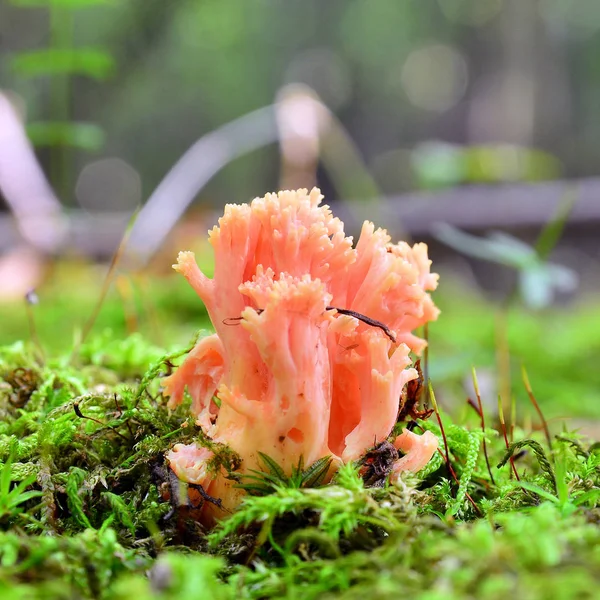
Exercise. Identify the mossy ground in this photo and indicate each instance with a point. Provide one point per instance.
(88, 510)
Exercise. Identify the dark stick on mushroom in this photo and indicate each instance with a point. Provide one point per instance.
(365, 319)
(342, 311)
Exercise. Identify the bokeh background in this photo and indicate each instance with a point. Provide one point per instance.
(470, 124)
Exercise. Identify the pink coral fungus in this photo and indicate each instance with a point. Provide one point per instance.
(286, 373)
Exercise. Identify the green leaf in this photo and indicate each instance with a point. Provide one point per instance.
(11, 499)
(23, 497)
(536, 489)
(314, 475)
(561, 487)
(553, 231)
(591, 496)
(263, 477)
(5, 479)
(92, 62)
(255, 490)
(539, 453)
(75, 479)
(274, 468)
(120, 510)
(23, 485)
(85, 136)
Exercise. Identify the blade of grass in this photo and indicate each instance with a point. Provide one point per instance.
(553, 230)
(503, 351)
(482, 416)
(536, 406)
(105, 286)
(503, 427)
(125, 290)
(513, 417)
(274, 469)
(441, 424)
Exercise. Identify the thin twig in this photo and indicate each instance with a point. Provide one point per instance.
(342, 311)
(474, 406)
(439, 418)
(365, 319)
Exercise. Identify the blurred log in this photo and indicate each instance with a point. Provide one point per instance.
(96, 236)
(479, 207)
(473, 207)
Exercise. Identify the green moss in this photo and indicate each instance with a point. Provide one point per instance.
(85, 508)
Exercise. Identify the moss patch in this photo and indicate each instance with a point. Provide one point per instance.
(88, 508)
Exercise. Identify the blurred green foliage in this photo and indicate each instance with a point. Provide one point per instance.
(396, 74)
(439, 165)
(58, 64)
(89, 518)
(558, 346)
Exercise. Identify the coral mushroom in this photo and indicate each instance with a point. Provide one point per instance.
(286, 373)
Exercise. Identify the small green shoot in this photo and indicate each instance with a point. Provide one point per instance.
(262, 483)
(14, 494)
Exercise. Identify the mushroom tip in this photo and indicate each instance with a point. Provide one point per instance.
(184, 259)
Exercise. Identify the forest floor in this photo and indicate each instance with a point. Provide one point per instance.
(88, 508)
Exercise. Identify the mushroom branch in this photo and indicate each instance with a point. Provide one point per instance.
(312, 342)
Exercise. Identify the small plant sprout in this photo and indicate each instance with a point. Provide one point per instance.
(321, 356)
(14, 495)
